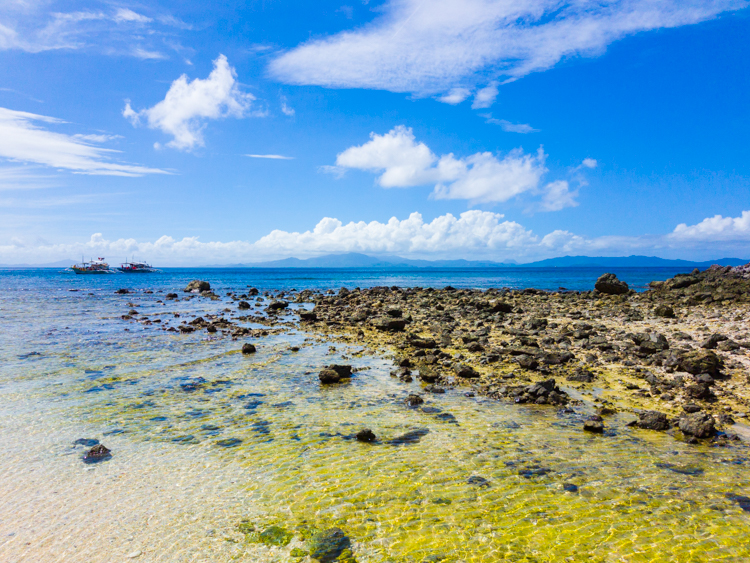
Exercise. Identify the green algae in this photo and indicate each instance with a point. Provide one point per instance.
(273, 535)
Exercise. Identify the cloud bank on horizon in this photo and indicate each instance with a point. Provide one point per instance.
(450, 46)
(473, 234)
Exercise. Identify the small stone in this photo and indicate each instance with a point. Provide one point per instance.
(97, 453)
(248, 348)
(366, 435)
(134, 554)
(595, 426)
(414, 400)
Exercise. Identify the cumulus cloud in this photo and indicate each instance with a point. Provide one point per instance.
(23, 139)
(716, 228)
(480, 178)
(182, 113)
(430, 48)
(473, 234)
(589, 163)
(557, 196)
(485, 97)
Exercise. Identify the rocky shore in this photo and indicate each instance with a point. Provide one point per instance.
(673, 358)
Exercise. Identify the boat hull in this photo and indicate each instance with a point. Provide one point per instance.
(94, 273)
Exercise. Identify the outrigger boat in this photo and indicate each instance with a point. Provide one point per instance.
(137, 268)
(98, 266)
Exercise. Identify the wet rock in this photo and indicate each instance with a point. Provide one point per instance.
(328, 376)
(699, 424)
(428, 374)
(171, 296)
(652, 420)
(329, 545)
(593, 425)
(570, 488)
(466, 372)
(414, 400)
(274, 535)
(700, 361)
(229, 442)
(278, 304)
(344, 370)
(527, 362)
(366, 435)
(122, 291)
(698, 391)
(609, 284)
(248, 348)
(197, 286)
(308, 316)
(88, 442)
(96, 454)
(664, 311)
(434, 389)
(243, 305)
(424, 343)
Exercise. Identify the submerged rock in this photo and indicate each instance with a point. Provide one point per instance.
(366, 435)
(248, 348)
(595, 426)
(328, 545)
(328, 376)
(97, 453)
(414, 400)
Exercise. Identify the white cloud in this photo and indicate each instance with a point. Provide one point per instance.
(509, 127)
(455, 96)
(126, 15)
(182, 113)
(716, 228)
(589, 163)
(479, 178)
(557, 196)
(23, 140)
(271, 156)
(485, 97)
(473, 234)
(429, 48)
(147, 55)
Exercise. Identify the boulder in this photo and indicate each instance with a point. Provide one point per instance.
(466, 372)
(699, 424)
(700, 361)
(328, 376)
(665, 311)
(595, 426)
(344, 370)
(248, 348)
(652, 420)
(712, 342)
(197, 286)
(610, 285)
(278, 304)
(244, 305)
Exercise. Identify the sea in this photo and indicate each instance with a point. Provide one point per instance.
(220, 456)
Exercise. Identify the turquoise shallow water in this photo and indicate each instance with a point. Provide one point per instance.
(204, 439)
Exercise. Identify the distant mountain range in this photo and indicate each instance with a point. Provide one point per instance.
(58, 264)
(355, 260)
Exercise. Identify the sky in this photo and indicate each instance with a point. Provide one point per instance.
(192, 133)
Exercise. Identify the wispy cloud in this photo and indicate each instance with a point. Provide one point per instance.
(458, 43)
(183, 111)
(271, 156)
(22, 139)
(508, 126)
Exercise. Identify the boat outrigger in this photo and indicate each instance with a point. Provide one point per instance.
(137, 268)
(98, 266)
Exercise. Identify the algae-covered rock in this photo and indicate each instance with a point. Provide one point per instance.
(329, 545)
(653, 420)
(274, 535)
(298, 553)
(699, 424)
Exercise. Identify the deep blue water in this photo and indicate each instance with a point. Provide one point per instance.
(320, 278)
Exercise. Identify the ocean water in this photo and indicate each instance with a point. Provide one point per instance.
(211, 448)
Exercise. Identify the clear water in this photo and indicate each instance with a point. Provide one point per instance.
(259, 441)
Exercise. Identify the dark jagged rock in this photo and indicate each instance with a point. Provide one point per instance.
(700, 361)
(97, 453)
(366, 435)
(414, 400)
(652, 420)
(171, 296)
(466, 372)
(344, 370)
(581, 375)
(328, 376)
(248, 348)
(712, 342)
(425, 343)
(243, 305)
(122, 291)
(699, 424)
(278, 304)
(388, 324)
(610, 285)
(198, 286)
(308, 316)
(595, 426)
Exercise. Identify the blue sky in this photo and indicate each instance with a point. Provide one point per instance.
(487, 129)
